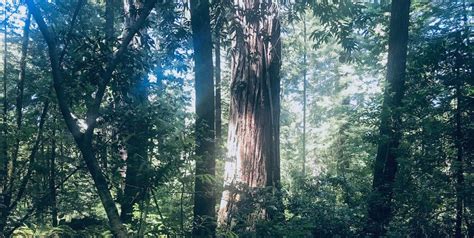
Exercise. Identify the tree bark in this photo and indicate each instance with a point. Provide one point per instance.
(253, 142)
(385, 168)
(204, 223)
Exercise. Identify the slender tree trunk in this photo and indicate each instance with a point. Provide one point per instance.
(380, 205)
(305, 66)
(253, 142)
(110, 6)
(204, 198)
(52, 178)
(136, 126)
(4, 198)
(109, 21)
(102, 187)
(84, 139)
(459, 165)
(458, 136)
(21, 83)
(136, 180)
(218, 99)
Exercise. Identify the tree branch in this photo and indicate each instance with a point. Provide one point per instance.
(106, 75)
(71, 28)
(58, 80)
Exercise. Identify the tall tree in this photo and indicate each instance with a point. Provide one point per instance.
(134, 97)
(219, 22)
(21, 82)
(253, 142)
(204, 199)
(4, 200)
(84, 136)
(52, 178)
(385, 168)
(305, 68)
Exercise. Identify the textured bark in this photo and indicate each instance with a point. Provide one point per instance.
(253, 142)
(385, 168)
(204, 198)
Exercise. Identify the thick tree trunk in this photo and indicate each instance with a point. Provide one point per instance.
(380, 205)
(204, 198)
(253, 142)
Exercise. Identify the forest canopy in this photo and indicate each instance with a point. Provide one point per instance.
(233, 118)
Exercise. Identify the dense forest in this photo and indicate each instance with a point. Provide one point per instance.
(236, 118)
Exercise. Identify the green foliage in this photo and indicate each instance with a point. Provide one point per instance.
(345, 44)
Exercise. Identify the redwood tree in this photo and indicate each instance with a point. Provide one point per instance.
(253, 159)
(385, 168)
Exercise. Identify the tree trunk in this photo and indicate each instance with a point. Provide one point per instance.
(204, 198)
(136, 179)
(253, 142)
(218, 77)
(21, 83)
(52, 178)
(380, 205)
(84, 139)
(135, 98)
(109, 22)
(459, 69)
(4, 199)
(305, 67)
(101, 185)
(218, 99)
(459, 166)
